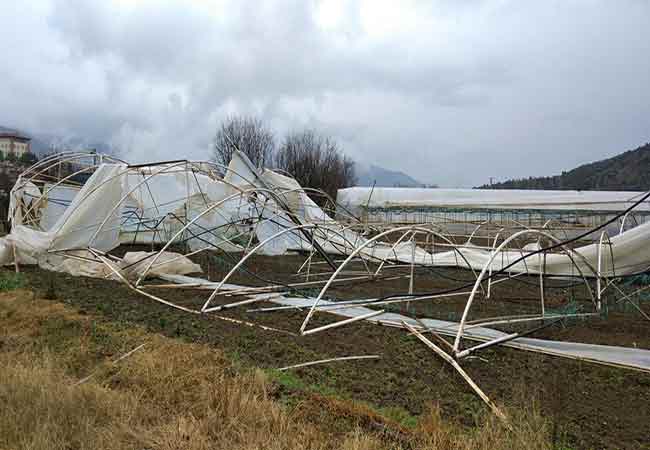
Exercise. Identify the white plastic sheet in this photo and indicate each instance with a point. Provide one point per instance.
(91, 220)
(356, 198)
(55, 201)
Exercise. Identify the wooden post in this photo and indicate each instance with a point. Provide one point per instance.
(13, 246)
(460, 370)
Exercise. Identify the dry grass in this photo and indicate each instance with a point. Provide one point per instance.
(168, 395)
(529, 431)
(175, 395)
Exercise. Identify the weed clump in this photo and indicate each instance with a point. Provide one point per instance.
(10, 281)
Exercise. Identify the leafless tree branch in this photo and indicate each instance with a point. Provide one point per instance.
(246, 133)
(315, 161)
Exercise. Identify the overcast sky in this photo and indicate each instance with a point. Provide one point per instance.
(450, 92)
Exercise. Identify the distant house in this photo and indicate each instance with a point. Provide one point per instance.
(14, 143)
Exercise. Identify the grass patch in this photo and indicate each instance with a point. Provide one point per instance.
(399, 415)
(287, 380)
(169, 395)
(293, 382)
(10, 281)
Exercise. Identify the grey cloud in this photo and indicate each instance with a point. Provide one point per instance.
(460, 92)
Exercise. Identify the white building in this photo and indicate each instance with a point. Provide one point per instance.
(14, 143)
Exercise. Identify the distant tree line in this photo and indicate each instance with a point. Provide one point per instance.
(629, 171)
(315, 160)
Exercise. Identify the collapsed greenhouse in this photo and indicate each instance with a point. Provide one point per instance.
(157, 228)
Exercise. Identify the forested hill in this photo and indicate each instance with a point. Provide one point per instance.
(629, 171)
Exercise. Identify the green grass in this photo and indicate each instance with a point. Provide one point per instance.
(293, 383)
(287, 379)
(11, 281)
(399, 415)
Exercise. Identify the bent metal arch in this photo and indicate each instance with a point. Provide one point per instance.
(55, 174)
(95, 203)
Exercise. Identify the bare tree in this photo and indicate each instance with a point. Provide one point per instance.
(315, 161)
(245, 133)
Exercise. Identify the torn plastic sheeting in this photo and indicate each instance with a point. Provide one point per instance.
(23, 193)
(55, 201)
(96, 205)
(632, 358)
(135, 263)
(604, 354)
(131, 266)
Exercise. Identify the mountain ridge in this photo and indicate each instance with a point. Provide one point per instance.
(369, 175)
(627, 171)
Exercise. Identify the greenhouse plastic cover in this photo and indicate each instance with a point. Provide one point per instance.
(114, 191)
(357, 198)
(630, 249)
(91, 220)
(629, 253)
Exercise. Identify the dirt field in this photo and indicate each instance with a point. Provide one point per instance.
(62, 387)
(589, 406)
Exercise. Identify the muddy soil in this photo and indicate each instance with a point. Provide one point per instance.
(590, 406)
